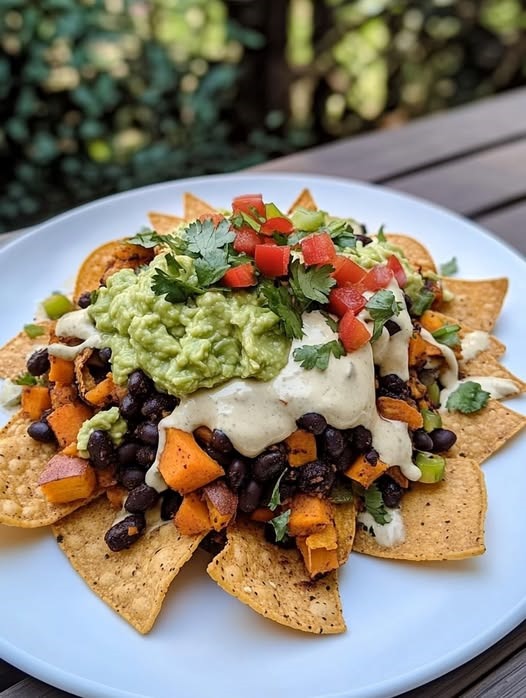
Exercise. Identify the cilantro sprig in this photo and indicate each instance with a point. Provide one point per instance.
(311, 356)
(312, 283)
(280, 300)
(275, 497)
(280, 525)
(382, 306)
(467, 398)
(374, 504)
(449, 268)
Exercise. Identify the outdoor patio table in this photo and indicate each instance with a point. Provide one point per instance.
(471, 160)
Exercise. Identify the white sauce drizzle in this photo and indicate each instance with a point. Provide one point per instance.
(473, 344)
(387, 535)
(75, 324)
(449, 370)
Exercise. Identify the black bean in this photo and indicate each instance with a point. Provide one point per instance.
(270, 535)
(141, 498)
(313, 422)
(105, 354)
(394, 386)
(127, 453)
(221, 458)
(101, 449)
(41, 431)
(170, 503)
(362, 439)
(84, 300)
(443, 439)
(344, 460)
(139, 384)
(364, 239)
(129, 406)
(371, 456)
(391, 491)
(315, 477)
(237, 473)
(214, 542)
(38, 363)
(334, 441)
(146, 455)
(422, 441)
(131, 477)
(288, 485)
(154, 406)
(250, 496)
(221, 442)
(392, 327)
(148, 433)
(123, 534)
(268, 465)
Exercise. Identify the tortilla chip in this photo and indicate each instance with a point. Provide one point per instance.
(133, 582)
(22, 459)
(418, 255)
(345, 521)
(163, 223)
(476, 303)
(482, 433)
(14, 354)
(485, 364)
(442, 522)
(304, 200)
(93, 267)
(274, 583)
(194, 207)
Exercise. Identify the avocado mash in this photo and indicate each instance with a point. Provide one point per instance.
(106, 420)
(200, 343)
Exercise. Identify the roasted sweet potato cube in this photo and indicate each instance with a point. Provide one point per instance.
(301, 446)
(363, 472)
(421, 350)
(308, 515)
(319, 550)
(393, 408)
(67, 478)
(66, 421)
(192, 516)
(184, 465)
(35, 400)
(221, 502)
(61, 370)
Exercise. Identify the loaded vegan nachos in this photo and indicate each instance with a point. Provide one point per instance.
(278, 388)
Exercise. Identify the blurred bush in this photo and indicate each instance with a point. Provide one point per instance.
(98, 96)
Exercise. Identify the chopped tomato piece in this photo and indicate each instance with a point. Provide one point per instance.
(216, 218)
(273, 260)
(240, 277)
(343, 299)
(378, 277)
(352, 332)
(246, 240)
(318, 249)
(394, 264)
(251, 204)
(346, 271)
(277, 225)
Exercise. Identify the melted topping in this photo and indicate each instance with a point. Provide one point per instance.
(473, 343)
(389, 534)
(75, 324)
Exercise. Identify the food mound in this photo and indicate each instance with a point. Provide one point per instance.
(278, 388)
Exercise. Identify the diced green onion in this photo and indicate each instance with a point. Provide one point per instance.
(433, 393)
(34, 331)
(57, 305)
(431, 466)
(432, 420)
(272, 211)
(310, 221)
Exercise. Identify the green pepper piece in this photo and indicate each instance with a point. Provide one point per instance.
(57, 305)
(431, 466)
(433, 393)
(432, 420)
(310, 221)
(272, 211)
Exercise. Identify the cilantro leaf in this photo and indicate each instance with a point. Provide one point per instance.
(448, 335)
(312, 284)
(467, 398)
(275, 497)
(422, 302)
(147, 238)
(381, 307)
(25, 379)
(173, 283)
(311, 356)
(207, 240)
(341, 493)
(281, 302)
(449, 268)
(333, 324)
(279, 524)
(374, 504)
(342, 233)
(380, 235)
(34, 331)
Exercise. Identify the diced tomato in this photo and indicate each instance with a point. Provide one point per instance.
(343, 299)
(394, 264)
(346, 271)
(273, 260)
(251, 204)
(216, 218)
(352, 332)
(378, 277)
(318, 249)
(246, 240)
(240, 277)
(277, 225)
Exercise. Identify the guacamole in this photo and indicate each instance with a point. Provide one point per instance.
(200, 343)
(106, 420)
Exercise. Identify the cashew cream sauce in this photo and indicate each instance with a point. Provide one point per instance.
(256, 414)
(75, 324)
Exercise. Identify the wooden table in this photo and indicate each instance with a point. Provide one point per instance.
(471, 160)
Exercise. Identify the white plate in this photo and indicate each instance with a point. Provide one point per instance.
(408, 623)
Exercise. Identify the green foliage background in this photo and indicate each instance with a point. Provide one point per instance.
(98, 96)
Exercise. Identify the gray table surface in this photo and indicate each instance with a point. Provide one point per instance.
(473, 161)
